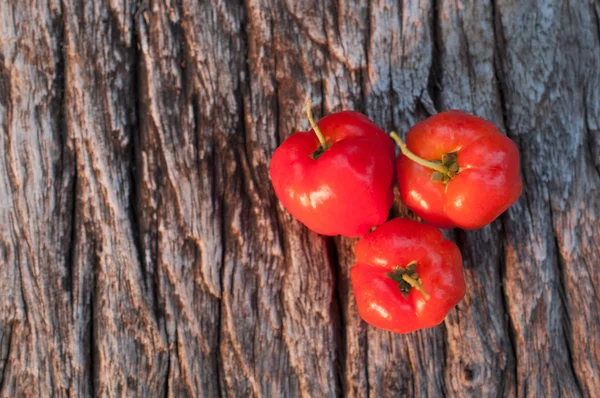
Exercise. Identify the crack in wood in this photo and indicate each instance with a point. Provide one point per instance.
(6, 365)
(510, 328)
(435, 70)
(133, 159)
(563, 295)
(337, 315)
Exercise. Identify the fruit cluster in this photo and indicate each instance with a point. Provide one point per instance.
(455, 170)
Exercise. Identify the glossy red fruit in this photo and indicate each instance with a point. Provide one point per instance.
(342, 186)
(407, 276)
(478, 171)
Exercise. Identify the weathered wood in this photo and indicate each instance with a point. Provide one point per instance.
(144, 253)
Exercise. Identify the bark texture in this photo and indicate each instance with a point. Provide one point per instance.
(143, 251)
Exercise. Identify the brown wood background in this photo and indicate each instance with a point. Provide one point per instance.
(142, 249)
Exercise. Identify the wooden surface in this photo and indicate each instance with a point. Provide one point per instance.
(142, 249)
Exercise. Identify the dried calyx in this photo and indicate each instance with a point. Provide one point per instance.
(408, 278)
(449, 162)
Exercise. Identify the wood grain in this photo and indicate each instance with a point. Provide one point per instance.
(143, 251)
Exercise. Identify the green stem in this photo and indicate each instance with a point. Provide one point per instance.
(416, 284)
(314, 126)
(406, 152)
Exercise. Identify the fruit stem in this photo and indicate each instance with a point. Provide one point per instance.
(406, 152)
(416, 284)
(314, 126)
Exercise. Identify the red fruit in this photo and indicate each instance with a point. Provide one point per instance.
(407, 276)
(341, 182)
(477, 175)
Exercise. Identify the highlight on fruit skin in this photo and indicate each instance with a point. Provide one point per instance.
(458, 170)
(407, 276)
(337, 178)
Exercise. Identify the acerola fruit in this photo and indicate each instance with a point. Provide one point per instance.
(337, 178)
(407, 276)
(458, 170)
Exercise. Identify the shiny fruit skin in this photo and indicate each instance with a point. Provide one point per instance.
(395, 244)
(487, 183)
(345, 191)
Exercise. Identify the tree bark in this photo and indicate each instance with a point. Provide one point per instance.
(143, 251)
